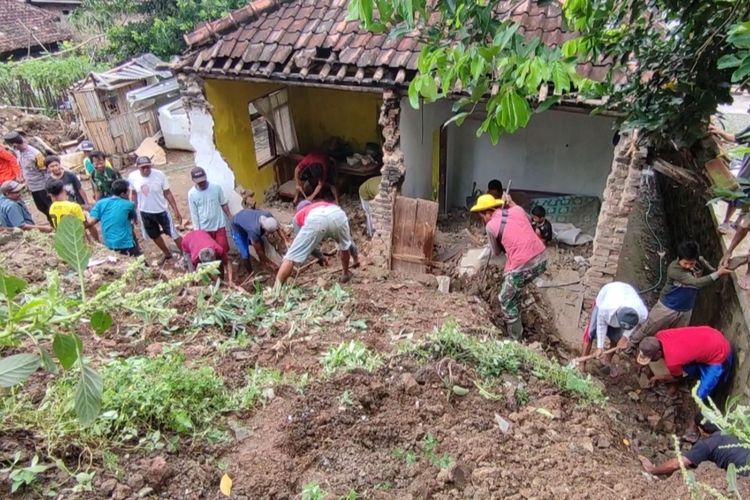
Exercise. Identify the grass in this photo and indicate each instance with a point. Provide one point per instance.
(428, 451)
(313, 491)
(259, 381)
(492, 358)
(349, 356)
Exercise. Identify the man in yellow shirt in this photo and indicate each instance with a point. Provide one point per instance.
(61, 207)
(368, 190)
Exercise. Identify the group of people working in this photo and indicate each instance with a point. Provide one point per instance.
(620, 316)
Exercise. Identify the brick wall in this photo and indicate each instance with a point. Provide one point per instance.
(393, 173)
(620, 194)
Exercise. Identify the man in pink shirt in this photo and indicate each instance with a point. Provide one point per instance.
(509, 230)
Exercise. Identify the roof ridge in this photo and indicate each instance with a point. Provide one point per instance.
(210, 29)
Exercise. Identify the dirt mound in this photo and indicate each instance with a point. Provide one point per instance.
(53, 131)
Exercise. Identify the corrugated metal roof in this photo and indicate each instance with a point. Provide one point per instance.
(143, 67)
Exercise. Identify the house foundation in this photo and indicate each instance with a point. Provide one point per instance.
(392, 172)
(618, 198)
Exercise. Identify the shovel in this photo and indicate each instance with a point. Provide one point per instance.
(577, 361)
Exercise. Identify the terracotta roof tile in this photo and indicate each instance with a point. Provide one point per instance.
(283, 39)
(24, 26)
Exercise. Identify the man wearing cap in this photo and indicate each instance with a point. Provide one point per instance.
(13, 211)
(251, 227)
(698, 352)
(318, 221)
(34, 171)
(149, 190)
(199, 247)
(9, 168)
(208, 206)
(508, 229)
(617, 311)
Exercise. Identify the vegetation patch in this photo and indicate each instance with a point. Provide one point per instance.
(349, 356)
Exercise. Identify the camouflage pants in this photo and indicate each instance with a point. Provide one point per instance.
(513, 283)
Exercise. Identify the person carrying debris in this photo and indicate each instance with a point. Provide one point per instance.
(508, 229)
(63, 207)
(686, 276)
(199, 247)
(117, 215)
(251, 227)
(318, 221)
(617, 311)
(368, 190)
(698, 352)
(71, 183)
(208, 206)
(9, 168)
(102, 176)
(13, 210)
(318, 170)
(713, 446)
(34, 171)
(149, 190)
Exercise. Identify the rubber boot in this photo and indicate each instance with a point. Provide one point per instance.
(514, 329)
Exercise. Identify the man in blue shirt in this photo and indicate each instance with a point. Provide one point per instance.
(117, 216)
(13, 211)
(250, 227)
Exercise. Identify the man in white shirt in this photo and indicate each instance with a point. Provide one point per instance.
(149, 190)
(208, 205)
(617, 311)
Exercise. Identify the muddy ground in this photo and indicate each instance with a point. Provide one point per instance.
(353, 430)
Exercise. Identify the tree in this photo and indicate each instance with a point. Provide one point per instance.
(665, 76)
(157, 26)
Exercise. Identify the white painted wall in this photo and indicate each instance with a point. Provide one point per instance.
(561, 152)
(208, 157)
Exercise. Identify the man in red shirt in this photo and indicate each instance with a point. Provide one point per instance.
(319, 171)
(9, 168)
(198, 247)
(698, 352)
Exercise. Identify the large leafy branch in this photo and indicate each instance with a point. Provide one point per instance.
(42, 316)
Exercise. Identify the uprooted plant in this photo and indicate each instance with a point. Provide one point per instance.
(45, 314)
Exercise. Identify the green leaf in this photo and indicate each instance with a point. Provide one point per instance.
(70, 244)
(47, 362)
(414, 93)
(548, 103)
(67, 348)
(88, 396)
(742, 72)
(17, 368)
(560, 78)
(732, 478)
(10, 286)
(459, 118)
(101, 321)
(728, 61)
(429, 88)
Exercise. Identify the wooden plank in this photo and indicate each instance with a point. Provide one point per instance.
(413, 235)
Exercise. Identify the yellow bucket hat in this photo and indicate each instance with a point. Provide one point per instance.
(486, 202)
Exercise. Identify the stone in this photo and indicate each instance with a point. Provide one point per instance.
(444, 284)
(108, 486)
(121, 492)
(157, 472)
(653, 420)
(482, 474)
(145, 491)
(503, 424)
(268, 393)
(603, 442)
(135, 481)
(427, 280)
(457, 474)
(410, 384)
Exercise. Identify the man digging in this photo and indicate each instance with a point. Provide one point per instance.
(509, 230)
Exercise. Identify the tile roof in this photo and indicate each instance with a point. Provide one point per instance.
(312, 41)
(22, 25)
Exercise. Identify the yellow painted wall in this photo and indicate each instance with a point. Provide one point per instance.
(320, 114)
(234, 135)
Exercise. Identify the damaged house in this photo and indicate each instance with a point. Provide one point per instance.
(283, 77)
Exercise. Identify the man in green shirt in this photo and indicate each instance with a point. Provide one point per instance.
(686, 275)
(367, 192)
(102, 176)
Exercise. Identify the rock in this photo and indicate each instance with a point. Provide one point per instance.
(410, 384)
(154, 349)
(444, 284)
(157, 472)
(503, 424)
(634, 396)
(482, 474)
(456, 473)
(585, 444)
(108, 486)
(121, 492)
(643, 381)
(427, 280)
(268, 393)
(603, 442)
(135, 481)
(145, 491)
(653, 420)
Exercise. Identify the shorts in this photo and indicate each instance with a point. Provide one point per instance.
(154, 225)
(321, 223)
